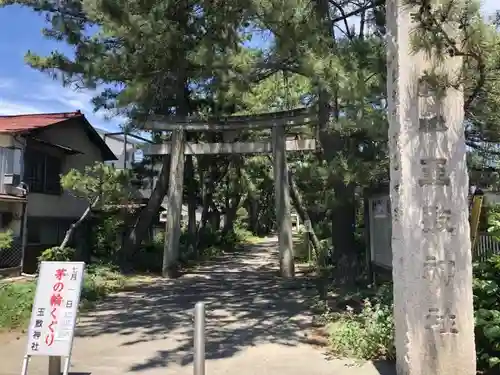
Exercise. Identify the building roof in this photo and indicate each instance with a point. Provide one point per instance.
(32, 122)
(118, 136)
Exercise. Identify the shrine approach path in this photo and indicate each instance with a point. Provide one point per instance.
(254, 326)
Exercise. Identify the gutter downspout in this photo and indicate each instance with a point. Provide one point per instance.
(24, 231)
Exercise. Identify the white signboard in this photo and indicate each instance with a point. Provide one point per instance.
(55, 308)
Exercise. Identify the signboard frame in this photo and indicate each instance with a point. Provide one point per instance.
(380, 208)
(54, 313)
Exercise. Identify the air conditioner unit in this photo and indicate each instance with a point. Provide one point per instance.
(11, 182)
(11, 179)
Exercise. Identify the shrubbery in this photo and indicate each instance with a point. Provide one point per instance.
(16, 298)
(487, 313)
(210, 244)
(6, 239)
(369, 332)
(57, 254)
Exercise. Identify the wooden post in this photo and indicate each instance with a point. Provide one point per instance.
(282, 193)
(432, 270)
(307, 233)
(54, 365)
(174, 205)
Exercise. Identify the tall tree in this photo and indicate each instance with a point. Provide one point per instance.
(149, 58)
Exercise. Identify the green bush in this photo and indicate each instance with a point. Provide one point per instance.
(16, 301)
(16, 298)
(56, 254)
(149, 258)
(6, 239)
(107, 236)
(99, 281)
(210, 244)
(487, 313)
(368, 334)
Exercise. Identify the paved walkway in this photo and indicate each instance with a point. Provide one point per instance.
(253, 326)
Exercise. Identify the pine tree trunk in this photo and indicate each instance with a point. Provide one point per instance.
(302, 212)
(252, 205)
(231, 212)
(148, 214)
(71, 231)
(215, 217)
(174, 206)
(343, 233)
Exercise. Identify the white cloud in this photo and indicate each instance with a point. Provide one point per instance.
(64, 96)
(45, 96)
(72, 99)
(15, 108)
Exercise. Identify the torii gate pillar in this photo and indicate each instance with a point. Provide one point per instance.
(174, 204)
(282, 196)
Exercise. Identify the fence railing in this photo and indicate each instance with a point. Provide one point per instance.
(486, 246)
(11, 257)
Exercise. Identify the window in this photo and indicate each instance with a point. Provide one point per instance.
(42, 172)
(5, 219)
(47, 231)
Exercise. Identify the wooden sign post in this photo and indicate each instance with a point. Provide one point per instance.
(53, 317)
(432, 269)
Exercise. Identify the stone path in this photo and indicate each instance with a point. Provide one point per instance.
(253, 326)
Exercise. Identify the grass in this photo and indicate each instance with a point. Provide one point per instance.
(251, 239)
(16, 296)
(16, 299)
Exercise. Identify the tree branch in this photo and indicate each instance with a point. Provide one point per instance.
(453, 50)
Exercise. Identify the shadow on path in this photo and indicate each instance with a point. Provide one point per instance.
(246, 305)
(256, 324)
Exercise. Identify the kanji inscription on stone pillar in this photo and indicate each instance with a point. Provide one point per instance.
(432, 270)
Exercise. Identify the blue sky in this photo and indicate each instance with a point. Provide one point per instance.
(24, 90)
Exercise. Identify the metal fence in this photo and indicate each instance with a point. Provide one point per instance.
(11, 257)
(486, 246)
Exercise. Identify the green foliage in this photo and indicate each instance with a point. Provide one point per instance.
(494, 222)
(210, 244)
(56, 254)
(6, 238)
(99, 281)
(368, 334)
(487, 313)
(101, 181)
(16, 300)
(16, 297)
(107, 236)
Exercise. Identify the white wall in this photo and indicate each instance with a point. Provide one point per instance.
(65, 205)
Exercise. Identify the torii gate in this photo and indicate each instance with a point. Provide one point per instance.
(432, 270)
(277, 145)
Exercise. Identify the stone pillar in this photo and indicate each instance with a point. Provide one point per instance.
(282, 193)
(174, 205)
(432, 269)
